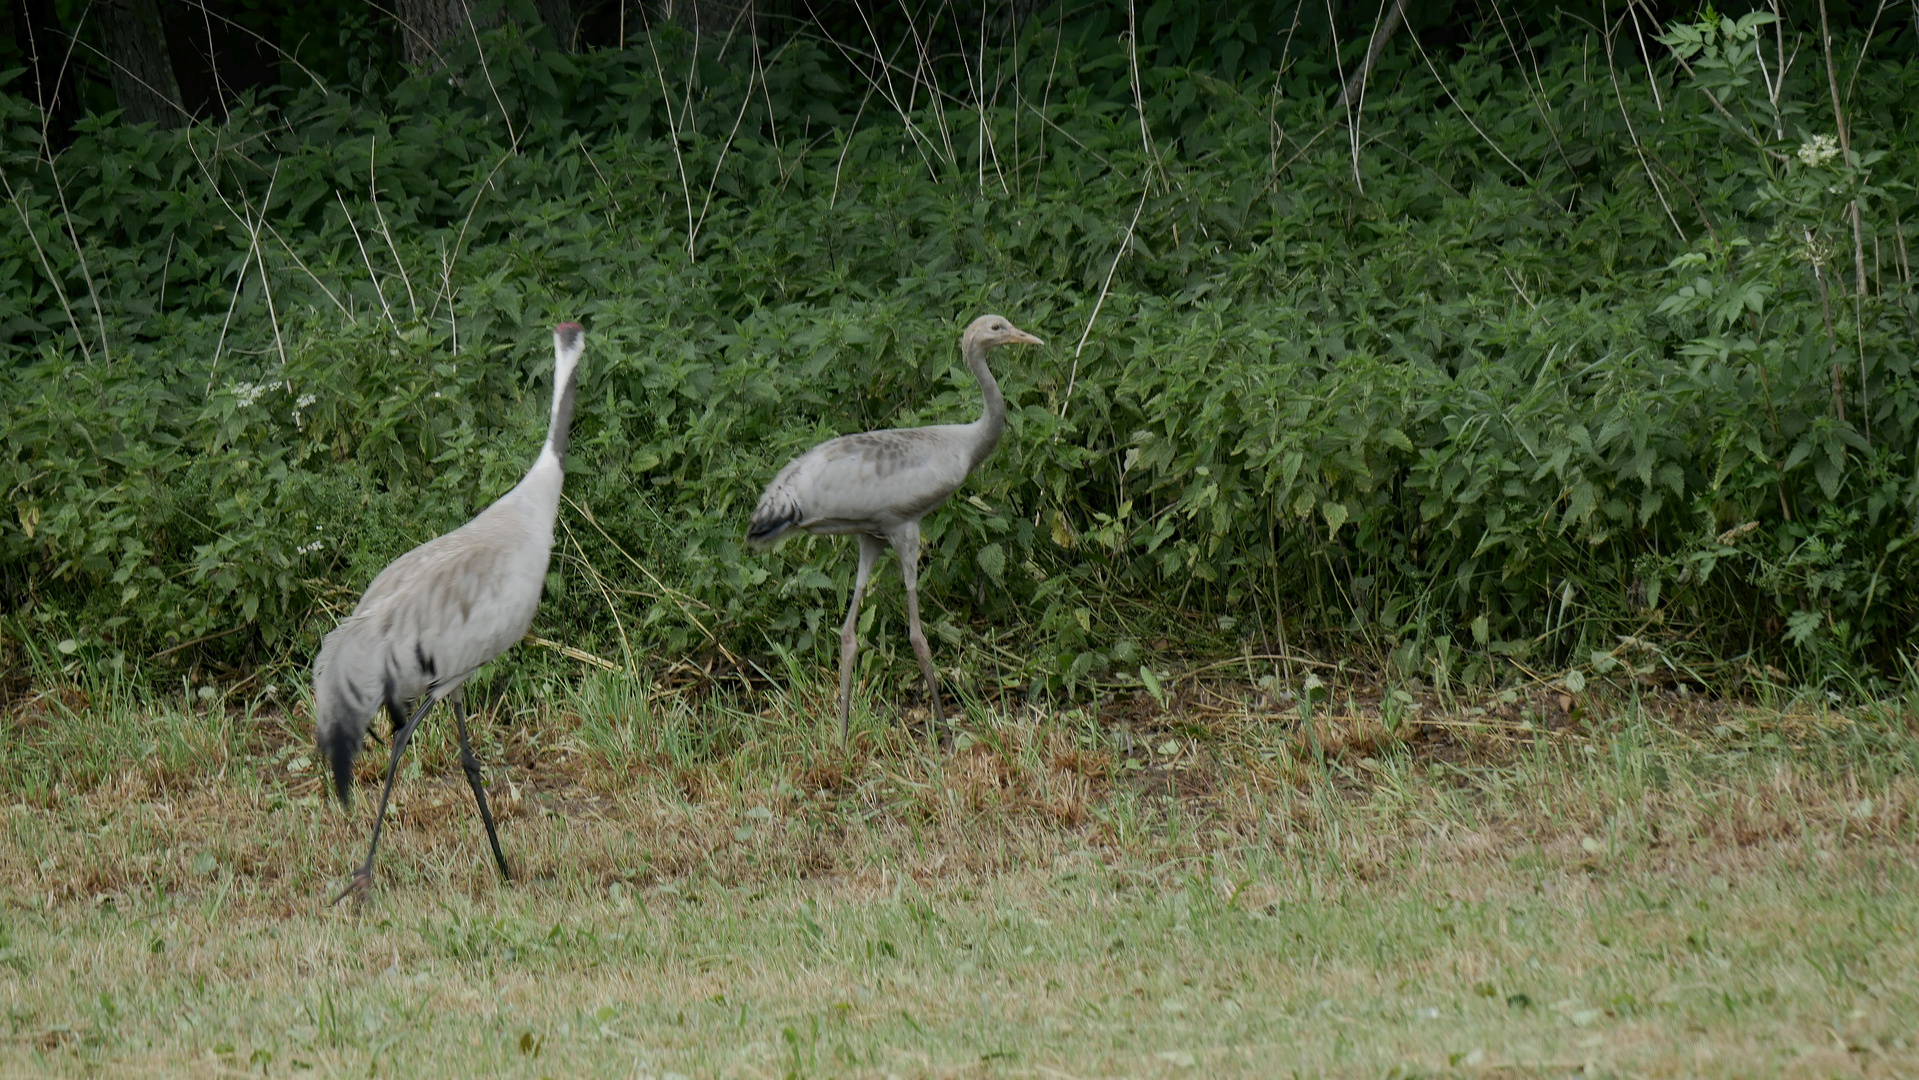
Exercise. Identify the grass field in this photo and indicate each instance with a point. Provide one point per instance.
(1641, 886)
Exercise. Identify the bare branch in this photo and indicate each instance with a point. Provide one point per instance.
(1461, 106)
(47, 266)
(373, 192)
(1125, 245)
(1638, 148)
(371, 274)
(1385, 25)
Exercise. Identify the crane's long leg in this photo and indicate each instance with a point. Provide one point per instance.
(906, 543)
(471, 765)
(363, 877)
(870, 549)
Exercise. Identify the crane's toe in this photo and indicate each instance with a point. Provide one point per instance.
(358, 888)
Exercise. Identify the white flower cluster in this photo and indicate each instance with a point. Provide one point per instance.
(1818, 150)
(308, 549)
(247, 393)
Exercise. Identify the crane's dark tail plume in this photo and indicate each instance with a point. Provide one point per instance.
(341, 748)
(778, 512)
(764, 532)
(342, 705)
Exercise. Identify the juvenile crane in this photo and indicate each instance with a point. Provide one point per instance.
(437, 613)
(877, 485)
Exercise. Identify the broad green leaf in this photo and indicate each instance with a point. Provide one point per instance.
(1335, 515)
(992, 559)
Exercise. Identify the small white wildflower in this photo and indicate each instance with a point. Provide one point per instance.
(1818, 150)
(1810, 251)
(299, 405)
(308, 549)
(247, 393)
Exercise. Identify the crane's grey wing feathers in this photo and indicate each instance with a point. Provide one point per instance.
(428, 621)
(869, 482)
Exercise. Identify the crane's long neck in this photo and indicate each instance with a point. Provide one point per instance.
(992, 420)
(564, 369)
(542, 482)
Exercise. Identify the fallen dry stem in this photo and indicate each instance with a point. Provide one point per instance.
(1125, 244)
(1468, 117)
(712, 184)
(1639, 149)
(373, 194)
(47, 267)
(253, 225)
(672, 126)
(80, 255)
(372, 275)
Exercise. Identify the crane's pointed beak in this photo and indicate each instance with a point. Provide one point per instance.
(1023, 338)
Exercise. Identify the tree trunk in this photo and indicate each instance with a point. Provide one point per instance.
(559, 17)
(428, 25)
(136, 47)
(425, 25)
(712, 19)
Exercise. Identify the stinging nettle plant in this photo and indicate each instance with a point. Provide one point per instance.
(1563, 372)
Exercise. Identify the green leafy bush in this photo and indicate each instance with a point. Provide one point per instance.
(1566, 366)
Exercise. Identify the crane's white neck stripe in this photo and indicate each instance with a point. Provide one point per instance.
(565, 363)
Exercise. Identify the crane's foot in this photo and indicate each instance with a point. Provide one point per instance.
(359, 888)
(932, 733)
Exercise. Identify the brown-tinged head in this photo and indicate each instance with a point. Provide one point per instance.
(989, 331)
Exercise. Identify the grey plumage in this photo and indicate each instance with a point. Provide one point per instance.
(437, 613)
(877, 485)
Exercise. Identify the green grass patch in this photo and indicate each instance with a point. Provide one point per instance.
(1657, 888)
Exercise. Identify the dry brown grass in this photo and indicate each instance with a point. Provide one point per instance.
(1521, 888)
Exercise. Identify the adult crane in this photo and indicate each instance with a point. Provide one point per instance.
(877, 485)
(437, 613)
